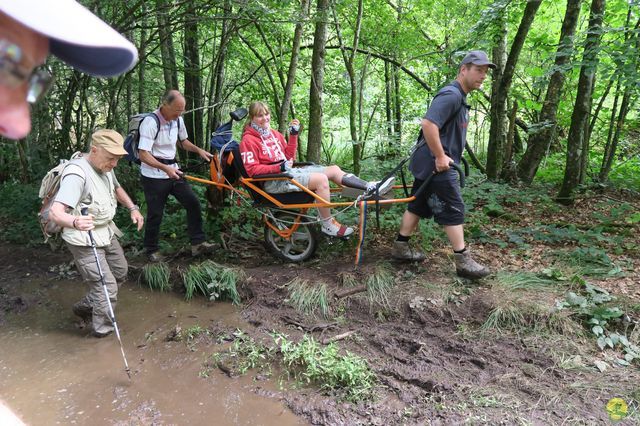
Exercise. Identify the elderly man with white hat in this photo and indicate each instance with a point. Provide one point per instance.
(29, 31)
(90, 183)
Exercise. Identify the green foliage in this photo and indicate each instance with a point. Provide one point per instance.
(590, 261)
(156, 276)
(194, 331)
(242, 221)
(212, 280)
(348, 375)
(19, 207)
(595, 307)
(244, 354)
(308, 298)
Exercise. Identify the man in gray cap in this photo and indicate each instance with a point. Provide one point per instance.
(444, 128)
(29, 31)
(89, 182)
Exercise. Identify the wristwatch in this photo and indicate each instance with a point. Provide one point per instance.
(134, 207)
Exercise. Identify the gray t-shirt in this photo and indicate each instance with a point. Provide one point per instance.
(72, 184)
(450, 112)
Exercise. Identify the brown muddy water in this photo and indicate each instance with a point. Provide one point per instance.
(51, 372)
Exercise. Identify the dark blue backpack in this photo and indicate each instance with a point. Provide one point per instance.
(133, 135)
(222, 143)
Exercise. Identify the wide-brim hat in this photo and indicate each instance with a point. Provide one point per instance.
(76, 35)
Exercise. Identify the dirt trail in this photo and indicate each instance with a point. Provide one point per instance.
(51, 372)
(432, 365)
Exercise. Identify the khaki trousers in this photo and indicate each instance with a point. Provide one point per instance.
(114, 268)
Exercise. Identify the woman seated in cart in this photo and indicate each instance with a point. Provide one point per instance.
(264, 151)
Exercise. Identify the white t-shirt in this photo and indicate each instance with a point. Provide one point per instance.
(164, 146)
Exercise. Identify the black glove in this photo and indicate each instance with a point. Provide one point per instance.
(283, 166)
(294, 129)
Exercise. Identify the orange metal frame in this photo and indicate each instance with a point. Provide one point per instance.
(217, 180)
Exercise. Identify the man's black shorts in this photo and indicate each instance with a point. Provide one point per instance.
(446, 200)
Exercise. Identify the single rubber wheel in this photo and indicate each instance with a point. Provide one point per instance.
(299, 247)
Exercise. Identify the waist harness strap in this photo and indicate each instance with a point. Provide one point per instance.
(166, 160)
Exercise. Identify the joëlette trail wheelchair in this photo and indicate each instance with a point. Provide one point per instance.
(289, 230)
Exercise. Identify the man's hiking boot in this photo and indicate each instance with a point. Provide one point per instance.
(202, 248)
(155, 257)
(333, 228)
(403, 251)
(466, 267)
(83, 310)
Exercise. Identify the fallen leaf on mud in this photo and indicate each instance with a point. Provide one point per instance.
(418, 303)
(601, 365)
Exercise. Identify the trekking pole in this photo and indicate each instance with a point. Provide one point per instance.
(112, 315)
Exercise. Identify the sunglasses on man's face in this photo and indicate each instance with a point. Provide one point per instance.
(13, 73)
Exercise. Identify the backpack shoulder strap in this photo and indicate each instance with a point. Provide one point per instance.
(85, 167)
(447, 89)
(157, 120)
(179, 119)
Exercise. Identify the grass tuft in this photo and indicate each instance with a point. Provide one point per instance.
(524, 280)
(213, 281)
(379, 285)
(310, 299)
(521, 318)
(156, 276)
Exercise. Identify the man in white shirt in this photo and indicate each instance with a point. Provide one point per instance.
(161, 176)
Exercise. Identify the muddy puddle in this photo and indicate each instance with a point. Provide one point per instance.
(51, 372)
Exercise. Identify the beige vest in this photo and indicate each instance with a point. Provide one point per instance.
(100, 199)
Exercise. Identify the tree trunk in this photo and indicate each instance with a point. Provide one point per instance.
(613, 136)
(219, 68)
(349, 60)
(388, 107)
(167, 51)
(67, 110)
(314, 144)
(497, 114)
(142, 54)
(396, 104)
(582, 106)
(293, 66)
(546, 128)
(508, 168)
(497, 132)
(192, 77)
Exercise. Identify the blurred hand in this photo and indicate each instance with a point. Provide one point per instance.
(442, 163)
(174, 174)
(205, 155)
(137, 218)
(285, 166)
(294, 127)
(84, 223)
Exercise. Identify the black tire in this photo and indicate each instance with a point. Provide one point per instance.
(300, 247)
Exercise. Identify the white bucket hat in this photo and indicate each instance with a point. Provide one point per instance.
(76, 35)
